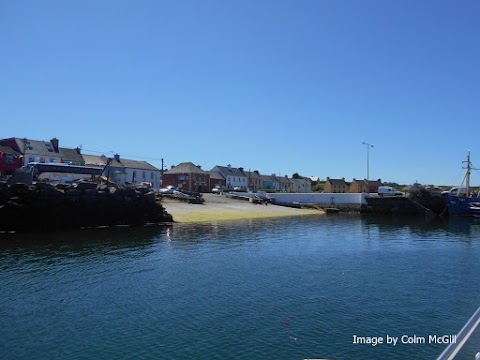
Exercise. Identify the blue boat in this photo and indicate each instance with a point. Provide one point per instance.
(464, 204)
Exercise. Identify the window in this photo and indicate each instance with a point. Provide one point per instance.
(31, 159)
(28, 146)
(9, 159)
(49, 147)
(42, 159)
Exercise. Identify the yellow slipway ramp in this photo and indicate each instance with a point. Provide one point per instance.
(219, 208)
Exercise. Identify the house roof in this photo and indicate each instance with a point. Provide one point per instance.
(337, 182)
(269, 178)
(8, 150)
(185, 168)
(228, 171)
(72, 155)
(215, 175)
(252, 175)
(374, 182)
(284, 180)
(95, 160)
(138, 164)
(42, 148)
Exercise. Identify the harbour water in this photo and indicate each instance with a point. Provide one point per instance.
(294, 288)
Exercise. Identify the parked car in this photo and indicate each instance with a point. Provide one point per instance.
(169, 190)
(261, 195)
(217, 189)
(388, 191)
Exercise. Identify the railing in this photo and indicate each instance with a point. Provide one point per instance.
(452, 349)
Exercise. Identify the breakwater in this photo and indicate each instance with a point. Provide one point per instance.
(395, 205)
(43, 206)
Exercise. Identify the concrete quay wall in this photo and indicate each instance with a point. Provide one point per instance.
(331, 199)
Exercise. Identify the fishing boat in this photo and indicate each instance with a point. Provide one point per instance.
(467, 204)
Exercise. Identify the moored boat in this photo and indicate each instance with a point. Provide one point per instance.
(467, 204)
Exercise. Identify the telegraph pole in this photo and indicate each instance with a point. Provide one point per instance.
(161, 176)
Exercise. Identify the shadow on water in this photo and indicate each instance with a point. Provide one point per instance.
(422, 228)
(82, 241)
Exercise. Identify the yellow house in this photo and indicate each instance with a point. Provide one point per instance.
(358, 186)
(335, 186)
(364, 186)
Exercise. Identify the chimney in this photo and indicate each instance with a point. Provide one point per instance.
(54, 142)
(229, 166)
(78, 151)
(117, 157)
(241, 169)
(256, 172)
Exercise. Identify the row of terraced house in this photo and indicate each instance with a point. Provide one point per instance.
(191, 177)
(16, 152)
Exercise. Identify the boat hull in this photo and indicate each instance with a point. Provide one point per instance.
(462, 205)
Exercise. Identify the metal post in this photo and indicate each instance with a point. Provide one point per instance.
(161, 176)
(368, 158)
(460, 339)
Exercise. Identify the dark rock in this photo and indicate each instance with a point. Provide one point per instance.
(45, 186)
(85, 186)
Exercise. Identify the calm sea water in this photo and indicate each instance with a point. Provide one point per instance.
(266, 289)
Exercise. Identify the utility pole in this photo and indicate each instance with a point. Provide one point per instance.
(161, 176)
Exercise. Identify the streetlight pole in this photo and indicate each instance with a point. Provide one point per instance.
(368, 158)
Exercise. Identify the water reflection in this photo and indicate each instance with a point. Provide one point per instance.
(420, 228)
(80, 242)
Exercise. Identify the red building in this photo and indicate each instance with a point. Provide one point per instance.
(10, 160)
(216, 179)
(187, 176)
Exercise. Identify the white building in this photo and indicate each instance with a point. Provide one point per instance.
(302, 185)
(126, 171)
(234, 177)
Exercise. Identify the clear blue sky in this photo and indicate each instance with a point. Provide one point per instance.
(276, 86)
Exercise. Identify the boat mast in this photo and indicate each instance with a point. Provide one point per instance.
(467, 175)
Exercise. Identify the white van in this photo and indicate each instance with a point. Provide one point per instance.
(388, 191)
(454, 191)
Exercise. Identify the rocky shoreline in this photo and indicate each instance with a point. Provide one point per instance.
(43, 206)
